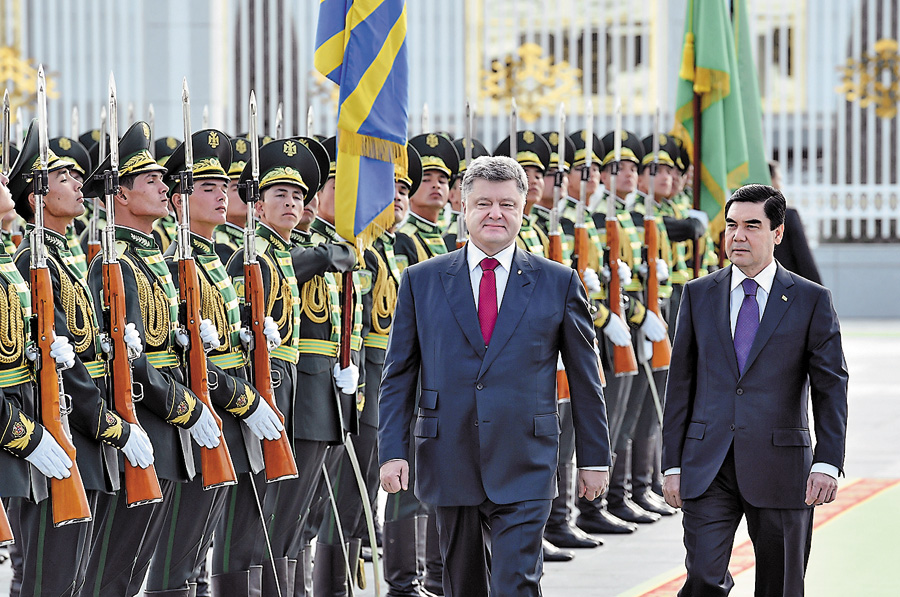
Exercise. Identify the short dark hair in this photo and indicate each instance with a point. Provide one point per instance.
(773, 200)
(128, 181)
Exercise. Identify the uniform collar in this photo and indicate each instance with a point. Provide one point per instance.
(272, 237)
(423, 225)
(132, 236)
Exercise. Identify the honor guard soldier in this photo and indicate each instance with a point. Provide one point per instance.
(170, 413)
(73, 151)
(164, 229)
(533, 154)
(57, 556)
(230, 235)
(196, 509)
(540, 211)
(455, 200)
(10, 223)
(95, 210)
(288, 174)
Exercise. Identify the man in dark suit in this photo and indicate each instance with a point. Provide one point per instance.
(753, 344)
(478, 331)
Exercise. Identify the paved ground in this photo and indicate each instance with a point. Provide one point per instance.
(856, 540)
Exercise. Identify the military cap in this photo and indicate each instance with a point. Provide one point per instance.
(284, 161)
(212, 158)
(413, 176)
(94, 150)
(88, 138)
(683, 162)
(163, 149)
(21, 174)
(552, 138)
(13, 153)
(263, 139)
(437, 153)
(478, 150)
(578, 142)
(323, 158)
(74, 152)
(531, 150)
(668, 150)
(240, 155)
(134, 159)
(330, 145)
(632, 149)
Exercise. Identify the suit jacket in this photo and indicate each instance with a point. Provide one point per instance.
(487, 423)
(796, 356)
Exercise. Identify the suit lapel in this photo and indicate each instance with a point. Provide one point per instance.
(518, 292)
(780, 299)
(458, 287)
(721, 309)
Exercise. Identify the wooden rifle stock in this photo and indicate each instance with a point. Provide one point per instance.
(93, 249)
(68, 499)
(279, 458)
(662, 350)
(141, 484)
(215, 463)
(624, 360)
(17, 239)
(346, 318)
(6, 534)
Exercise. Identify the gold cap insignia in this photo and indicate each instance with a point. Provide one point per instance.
(241, 146)
(95, 134)
(554, 139)
(213, 139)
(65, 143)
(663, 139)
(290, 149)
(431, 140)
(584, 137)
(146, 128)
(528, 136)
(624, 135)
(171, 142)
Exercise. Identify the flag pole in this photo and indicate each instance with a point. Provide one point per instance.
(696, 182)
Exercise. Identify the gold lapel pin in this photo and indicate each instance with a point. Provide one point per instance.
(784, 298)
(520, 272)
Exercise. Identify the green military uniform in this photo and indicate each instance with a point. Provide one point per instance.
(230, 237)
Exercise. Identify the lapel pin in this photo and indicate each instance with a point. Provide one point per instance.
(784, 298)
(520, 272)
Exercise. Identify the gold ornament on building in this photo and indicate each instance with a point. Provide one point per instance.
(874, 78)
(23, 74)
(535, 81)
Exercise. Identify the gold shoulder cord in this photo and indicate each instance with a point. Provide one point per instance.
(279, 291)
(214, 310)
(314, 300)
(154, 309)
(12, 327)
(420, 247)
(76, 305)
(384, 297)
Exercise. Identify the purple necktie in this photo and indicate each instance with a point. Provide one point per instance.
(747, 323)
(487, 298)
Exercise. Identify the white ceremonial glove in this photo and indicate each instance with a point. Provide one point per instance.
(209, 335)
(138, 449)
(347, 379)
(62, 352)
(653, 327)
(205, 431)
(181, 338)
(270, 330)
(133, 343)
(559, 363)
(624, 273)
(702, 216)
(617, 330)
(662, 270)
(50, 458)
(591, 281)
(264, 422)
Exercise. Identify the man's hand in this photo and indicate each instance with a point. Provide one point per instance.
(672, 490)
(395, 475)
(820, 489)
(592, 484)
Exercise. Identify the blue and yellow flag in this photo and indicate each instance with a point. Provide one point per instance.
(361, 46)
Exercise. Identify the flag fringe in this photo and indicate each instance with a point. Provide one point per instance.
(687, 58)
(382, 223)
(375, 148)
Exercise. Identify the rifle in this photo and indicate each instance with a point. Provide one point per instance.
(68, 499)
(215, 463)
(141, 484)
(461, 232)
(93, 231)
(662, 350)
(6, 535)
(16, 231)
(582, 240)
(279, 458)
(624, 360)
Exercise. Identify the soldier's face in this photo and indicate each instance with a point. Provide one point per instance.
(535, 186)
(280, 207)
(494, 214)
(749, 238)
(309, 213)
(147, 197)
(626, 181)
(6, 202)
(593, 181)
(209, 202)
(455, 196)
(237, 209)
(401, 201)
(326, 201)
(663, 181)
(64, 199)
(549, 181)
(433, 193)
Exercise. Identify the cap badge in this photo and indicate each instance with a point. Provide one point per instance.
(431, 140)
(213, 139)
(290, 149)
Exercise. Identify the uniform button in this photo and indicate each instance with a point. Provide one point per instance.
(732, 427)
(479, 386)
(740, 391)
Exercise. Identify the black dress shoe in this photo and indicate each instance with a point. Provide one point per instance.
(555, 554)
(650, 504)
(604, 523)
(570, 536)
(628, 510)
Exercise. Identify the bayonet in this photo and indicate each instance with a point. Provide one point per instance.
(513, 126)
(279, 121)
(75, 126)
(151, 122)
(5, 140)
(204, 118)
(424, 122)
(130, 119)
(309, 122)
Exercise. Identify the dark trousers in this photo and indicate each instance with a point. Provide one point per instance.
(781, 540)
(123, 543)
(54, 558)
(240, 530)
(560, 511)
(492, 549)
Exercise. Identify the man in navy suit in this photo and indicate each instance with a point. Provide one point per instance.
(754, 345)
(473, 354)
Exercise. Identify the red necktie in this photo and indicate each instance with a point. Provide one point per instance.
(487, 298)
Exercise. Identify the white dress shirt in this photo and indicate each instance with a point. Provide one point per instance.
(474, 255)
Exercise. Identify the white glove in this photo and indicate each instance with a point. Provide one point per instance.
(209, 335)
(624, 273)
(702, 216)
(347, 379)
(205, 431)
(264, 422)
(133, 342)
(62, 352)
(653, 327)
(138, 449)
(50, 458)
(591, 281)
(617, 330)
(662, 270)
(270, 331)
